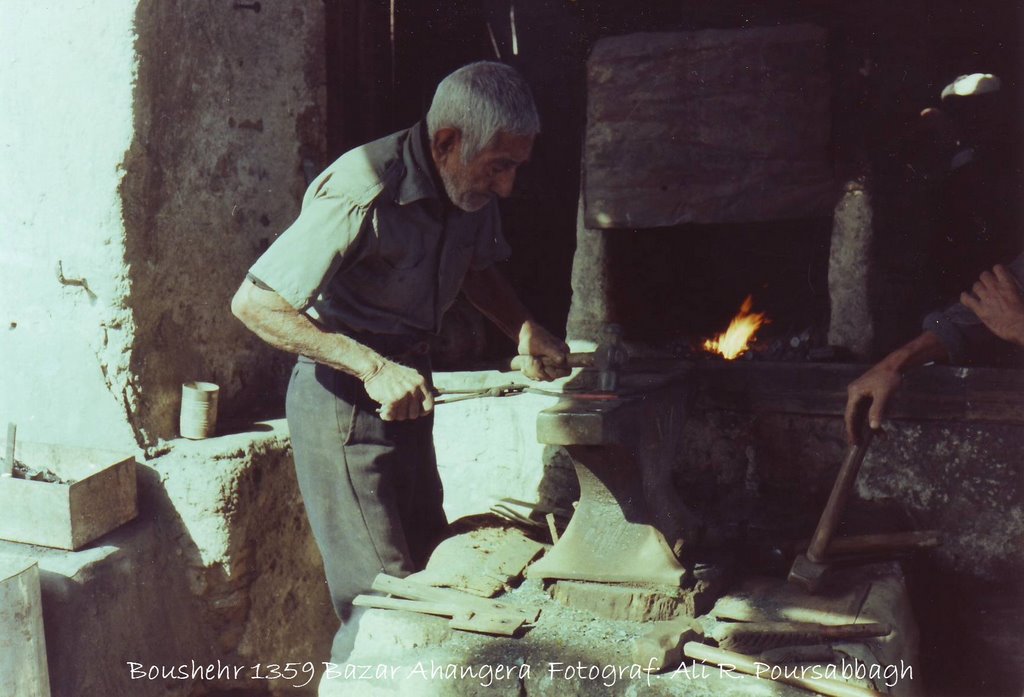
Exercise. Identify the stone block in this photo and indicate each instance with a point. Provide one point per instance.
(23, 670)
(716, 126)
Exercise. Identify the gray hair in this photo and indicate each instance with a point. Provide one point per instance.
(482, 99)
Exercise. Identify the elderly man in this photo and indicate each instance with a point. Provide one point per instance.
(387, 237)
(994, 305)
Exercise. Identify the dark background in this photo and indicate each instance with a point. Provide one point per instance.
(888, 62)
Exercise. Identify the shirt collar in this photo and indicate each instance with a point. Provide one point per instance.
(421, 179)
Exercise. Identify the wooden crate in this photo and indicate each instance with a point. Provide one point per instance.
(101, 496)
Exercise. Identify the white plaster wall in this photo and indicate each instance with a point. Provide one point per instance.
(487, 448)
(65, 124)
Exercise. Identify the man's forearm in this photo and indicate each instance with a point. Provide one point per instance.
(276, 322)
(924, 349)
(491, 293)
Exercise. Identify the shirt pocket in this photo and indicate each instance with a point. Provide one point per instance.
(456, 262)
(399, 246)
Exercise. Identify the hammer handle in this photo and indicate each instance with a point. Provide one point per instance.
(837, 499)
(574, 360)
(879, 543)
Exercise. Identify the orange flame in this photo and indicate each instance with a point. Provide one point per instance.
(735, 340)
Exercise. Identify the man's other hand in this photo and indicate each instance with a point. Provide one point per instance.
(401, 391)
(548, 354)
(875, 387)
(997, 302)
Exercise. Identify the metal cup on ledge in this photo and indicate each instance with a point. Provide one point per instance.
(198, 410)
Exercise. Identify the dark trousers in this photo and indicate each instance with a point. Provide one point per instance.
(370, 487)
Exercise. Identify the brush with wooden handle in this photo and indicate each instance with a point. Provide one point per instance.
(754, 637)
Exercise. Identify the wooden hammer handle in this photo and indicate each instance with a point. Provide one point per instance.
(837, 499)
(574, 360)
(883, 543)
(856, 630)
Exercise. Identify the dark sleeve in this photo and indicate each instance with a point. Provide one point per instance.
(957, 327)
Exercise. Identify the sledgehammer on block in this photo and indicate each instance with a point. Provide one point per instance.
(808, 568)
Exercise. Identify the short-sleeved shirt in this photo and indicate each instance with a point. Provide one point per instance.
(377, 247)
(957, 327)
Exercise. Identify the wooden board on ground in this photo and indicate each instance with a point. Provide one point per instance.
(467, 612)
(483, 562)
(415, 590)
(461, 618)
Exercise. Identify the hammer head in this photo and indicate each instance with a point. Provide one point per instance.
(610, 357)
(807, 573)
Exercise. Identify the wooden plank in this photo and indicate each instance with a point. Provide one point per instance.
(995, 395)
(480, 622)
(418, 591)
(482, 562)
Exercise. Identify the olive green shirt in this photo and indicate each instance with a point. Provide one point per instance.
(377, 246)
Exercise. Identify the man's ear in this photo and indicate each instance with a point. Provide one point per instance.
(446, 141)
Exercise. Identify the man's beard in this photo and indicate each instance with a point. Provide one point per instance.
(462, 195)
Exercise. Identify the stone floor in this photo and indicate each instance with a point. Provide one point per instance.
(573, 652)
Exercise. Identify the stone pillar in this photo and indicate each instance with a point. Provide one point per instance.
(852, 324)
(588, 311)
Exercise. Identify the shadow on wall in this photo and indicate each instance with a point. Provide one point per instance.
(228, 111)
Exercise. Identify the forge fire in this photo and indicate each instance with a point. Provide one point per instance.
(736, 340)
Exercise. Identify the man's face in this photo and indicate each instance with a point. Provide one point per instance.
(472, 185)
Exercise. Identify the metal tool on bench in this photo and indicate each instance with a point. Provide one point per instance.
(448, 396)
(662, 646)
(467, 612)
(752, 638)
(572, 360)
(808, 568)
